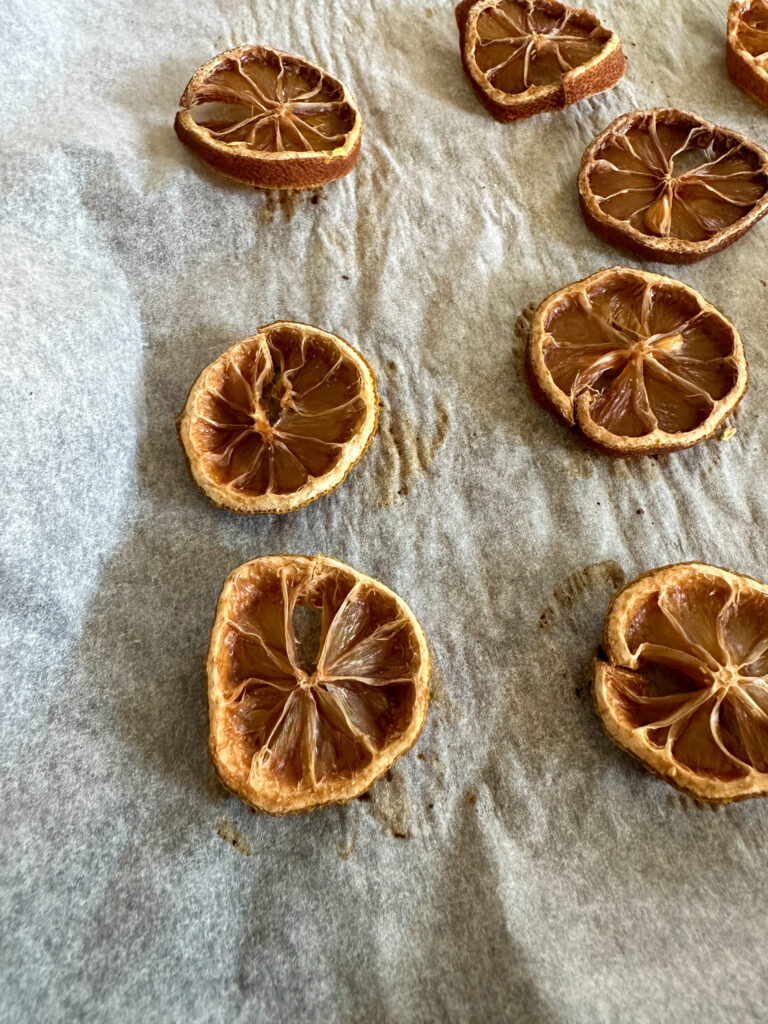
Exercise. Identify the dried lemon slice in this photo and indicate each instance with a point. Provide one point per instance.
(292, 729)
(279, 419)
(684, 684)
(671, 186)
(524, 57)
(746, 51)
(640, 363)
(270, 119)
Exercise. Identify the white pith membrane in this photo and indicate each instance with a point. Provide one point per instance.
(646, 352)
(677, 178)
(752, 32)
(273, 103)
(525, 43)
(306, 720)
(276, 411)
(689, 686)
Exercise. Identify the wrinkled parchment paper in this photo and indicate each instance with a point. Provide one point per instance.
(515, 866)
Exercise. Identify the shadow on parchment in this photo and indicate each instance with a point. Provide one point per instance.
(475, 969)
(144, 639)
(460, 961)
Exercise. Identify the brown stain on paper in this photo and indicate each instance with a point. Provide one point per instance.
(406, 451)
(689, 803)
(227, 830)
(390, 804)
(522, 330)
(438, 694)
(645, 468)
(581, 463)
(286, 201)
(346, 848)
(567, 593)
(521, 334)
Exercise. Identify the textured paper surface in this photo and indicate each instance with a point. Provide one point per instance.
(543, 876)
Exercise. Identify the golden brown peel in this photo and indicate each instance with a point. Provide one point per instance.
(279, 419)
(270, 118)
(671, 186)
(684, 686)
(639, 362)
(527, 56)
(747, 48)
(296, 724)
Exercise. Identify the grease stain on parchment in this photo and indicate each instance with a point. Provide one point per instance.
(438, 695)
(346, 847)
(407, 452)
(644, 468)
(390, 804)
(286, 201)
(520, 336)
(227, 830)
(689, 803)
(566, 593)
(522, 330)
(580, 462)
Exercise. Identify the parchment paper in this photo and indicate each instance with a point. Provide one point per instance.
(516, 866)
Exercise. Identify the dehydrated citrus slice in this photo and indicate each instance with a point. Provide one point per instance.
(671, 186)
(279, 419)
(270, 119)
(746, 53)
(684, 683)
(640, 363)
(524, 57)
(296, 723)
